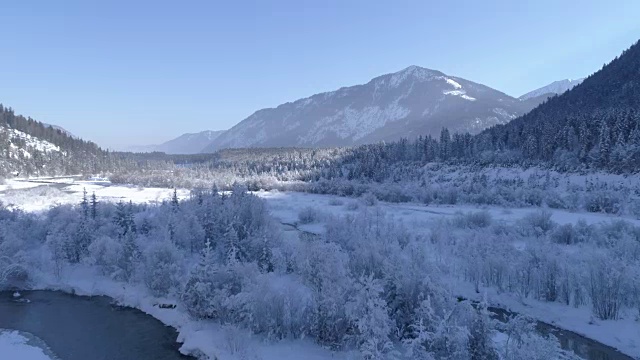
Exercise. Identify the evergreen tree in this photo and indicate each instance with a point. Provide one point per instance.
(604, 145)
(94, 206)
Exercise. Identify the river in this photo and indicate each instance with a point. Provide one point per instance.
(82, 327)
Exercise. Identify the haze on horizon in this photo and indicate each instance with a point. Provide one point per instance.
(124, 74)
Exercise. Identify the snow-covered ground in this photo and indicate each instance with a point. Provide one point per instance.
(41, 194)
(15, 345)
(623, 334)
(286, 205)
(232, 343)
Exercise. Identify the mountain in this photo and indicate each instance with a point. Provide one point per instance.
(29, 147)
(556, 87)
(184, 144)
(409, 103)
(596, 124)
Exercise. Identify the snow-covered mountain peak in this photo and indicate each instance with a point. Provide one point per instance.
(556, 87)
(413, 72)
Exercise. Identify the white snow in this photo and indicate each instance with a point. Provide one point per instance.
(621, 334)
(38, 196)
(227, 342)
(453, 83)
(14, 345)
(30, 141)
(556, 87)
(460, 93)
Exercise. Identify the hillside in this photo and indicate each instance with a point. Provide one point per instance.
(597, 123)
(409, 103)
(29, 147)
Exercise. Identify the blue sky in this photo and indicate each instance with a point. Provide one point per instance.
(139, 72)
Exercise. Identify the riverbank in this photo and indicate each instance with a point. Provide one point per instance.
(201, 339)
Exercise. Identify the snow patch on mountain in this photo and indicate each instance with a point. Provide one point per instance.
(453, 83)
(23, 145)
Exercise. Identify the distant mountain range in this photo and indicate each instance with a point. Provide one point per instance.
(555, 88)
(409, 103)
(184, 144)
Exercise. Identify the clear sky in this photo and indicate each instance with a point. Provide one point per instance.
(139, 72)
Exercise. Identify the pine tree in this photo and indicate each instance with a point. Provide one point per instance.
(175, 203)
(94, 206)
(445, 144)
(604, 145)
(84, 204)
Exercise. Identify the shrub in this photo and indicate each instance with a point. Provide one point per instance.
(563, 234)
(473, 220)
(308, 215)
(335, 202)
(538, 223)
(162, 269)
(369, 199)
(352, 206)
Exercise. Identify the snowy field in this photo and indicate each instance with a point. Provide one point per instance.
(41, 194)
(233, 343)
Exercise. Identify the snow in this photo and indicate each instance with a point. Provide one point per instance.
(44, 194)
(556, 87)
(460, 93)
(416, 72)
(285, 206)
(226, 342)
(11, 184)
(621, 334)
(16, 345)
(30, 141)
(453, 83)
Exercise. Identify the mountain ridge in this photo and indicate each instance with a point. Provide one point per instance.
(188, 143)
(555, 88)
(408, 103)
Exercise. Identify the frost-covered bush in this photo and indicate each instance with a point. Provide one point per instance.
(563, 234)
(369, 199)
(336, 202)
(279, 306)
(308, 215)
(605, 201)
(162, 269)
(105, 253)
(519, 341)
(352, 206)
(607, 281)
(367, 311)
(13, 274)
(538, 223)
(473, 220)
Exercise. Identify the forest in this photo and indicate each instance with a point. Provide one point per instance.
(368, 282)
